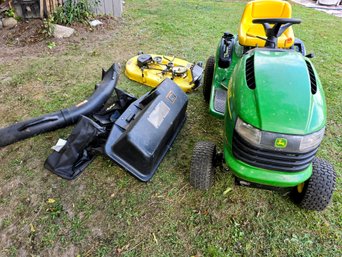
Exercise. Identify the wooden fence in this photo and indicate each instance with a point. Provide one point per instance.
(108, 7)
(43, 8)
(48, 6)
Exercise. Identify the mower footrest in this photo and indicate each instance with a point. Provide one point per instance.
(220, 100)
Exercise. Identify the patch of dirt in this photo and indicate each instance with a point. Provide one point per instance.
(28, 40)
(58, 250)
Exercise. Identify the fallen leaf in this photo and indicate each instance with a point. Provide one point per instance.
(32, 228)
(51, 200)
(120, 250)
(155, 238)
(227, 190)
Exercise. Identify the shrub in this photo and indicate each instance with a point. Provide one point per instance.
(48, 27)
(10, 13)
(74, 11)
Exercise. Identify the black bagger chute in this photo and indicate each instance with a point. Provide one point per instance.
(52, 121)
(144, 133)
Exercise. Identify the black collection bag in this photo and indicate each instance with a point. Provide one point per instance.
(84, 142)
(88, 138)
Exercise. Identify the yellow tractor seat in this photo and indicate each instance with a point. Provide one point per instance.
(264, 9)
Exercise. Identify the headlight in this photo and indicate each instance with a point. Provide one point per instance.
(311, 141)
(248, 132)
(277, 141)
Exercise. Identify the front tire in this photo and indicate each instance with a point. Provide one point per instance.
(202, 166)
(317, 191)
(208, 78)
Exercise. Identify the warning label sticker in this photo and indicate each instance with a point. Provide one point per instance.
(158, 114)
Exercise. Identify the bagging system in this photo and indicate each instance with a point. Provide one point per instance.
(144, 133)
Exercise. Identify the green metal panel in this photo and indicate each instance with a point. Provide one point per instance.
(222, 76)
(282, 101)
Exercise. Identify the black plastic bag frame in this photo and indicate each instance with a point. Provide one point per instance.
(49, 122)
(144, 133)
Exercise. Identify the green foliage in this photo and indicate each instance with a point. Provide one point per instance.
(72, 11)
(48, 27)
(10, 13)
(51, 45)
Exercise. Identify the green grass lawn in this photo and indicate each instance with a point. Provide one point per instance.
(107, 212)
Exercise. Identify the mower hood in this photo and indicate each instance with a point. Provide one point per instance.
(286, 98)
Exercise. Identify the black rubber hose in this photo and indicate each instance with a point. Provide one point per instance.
(60, 119)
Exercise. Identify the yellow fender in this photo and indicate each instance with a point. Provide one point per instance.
(185, 74)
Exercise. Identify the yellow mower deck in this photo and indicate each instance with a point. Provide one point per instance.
(155, 72)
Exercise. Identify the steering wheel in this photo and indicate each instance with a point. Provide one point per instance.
(272, 33)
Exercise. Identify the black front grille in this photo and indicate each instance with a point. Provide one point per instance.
(268, 159)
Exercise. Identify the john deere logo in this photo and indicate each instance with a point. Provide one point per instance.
(280, 142)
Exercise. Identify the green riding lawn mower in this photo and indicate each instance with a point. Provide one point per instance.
(273, 106)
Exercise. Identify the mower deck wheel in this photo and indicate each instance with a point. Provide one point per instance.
(203, 165)
(208, 78)
(317, 191)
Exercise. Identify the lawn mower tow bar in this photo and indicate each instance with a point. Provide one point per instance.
(52, 121)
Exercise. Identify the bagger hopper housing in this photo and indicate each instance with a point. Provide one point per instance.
(144, 133)
(152, 69)
(134, 133)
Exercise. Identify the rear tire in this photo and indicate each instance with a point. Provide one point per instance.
(208, 78)
(202, 167)
(318, 190)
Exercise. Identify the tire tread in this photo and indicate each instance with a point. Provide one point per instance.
(208, 78)
(203, 165)
(319, 188)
